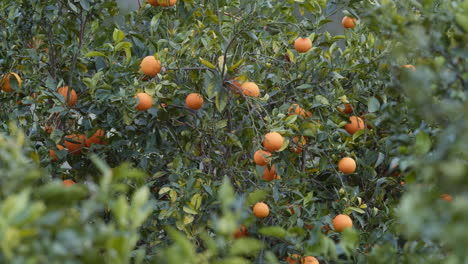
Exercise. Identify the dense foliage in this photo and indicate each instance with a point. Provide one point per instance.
(172, 184)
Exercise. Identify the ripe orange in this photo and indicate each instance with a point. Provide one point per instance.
(298, 143)
(153, 2)
(74, 143)
(261, 210)
(293, 259)
(409, 66)
(52, 155)
(340, 222)
(310, 260)
(144, 101)
(150, 66)
(63, 91)
(6, 86)
(446, 197)
(261, 157)
(273, 141)
(167, 2)
(194, 101)
(96, 138)
(348, 22)
(68, 183)
(356, 124)
(302, 45)
(241, 232)
(250, 89)
(347, 165)
(348, 109)
(269, 174)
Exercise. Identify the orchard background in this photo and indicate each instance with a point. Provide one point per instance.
(175, 185)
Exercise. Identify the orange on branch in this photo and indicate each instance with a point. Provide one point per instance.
(68, 183)
(261, 210)
(144, 101)
(52, 155)
(194, 101)
(261, 157)
(96, 138)
(302, 45)
(74, 143)
(150, 66)
(250, 89)
(269, 174)
(340, 222)
(348, 22)
(273, 141)
(356, 124)
(6, 85)
(347, 165)
(298, 143)
(71, 98)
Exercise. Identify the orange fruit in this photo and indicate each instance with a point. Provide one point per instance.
(293, 259)
(96, 138)
(74, 143)
(194, 101)
(310, 260)
(298, 143)
(347, 165)
(273, 141)
(269, 174)
(63, 91)
(261, 210)
(68, 183)
(291, 208)
(6, 86)
(302, 45)
(261, 157)
(166, 2)
(144, 101)
(409, 66)
(235, 86)
(348, 22)
(48, 129)
(356, 124)
(250, 89)
(52, 155)
(241, 232)
(347, 109)
(153, 2)
(340, 222)
(446, 197)
(150, 66)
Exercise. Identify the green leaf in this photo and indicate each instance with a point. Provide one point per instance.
(257, 196)
(373, 105)
(226, 193)
(245, 247)
(423, 143)
(207, 63)
(118, 35)
(95, 54)
(273, 231)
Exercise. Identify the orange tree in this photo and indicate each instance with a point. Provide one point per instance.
(337, 120)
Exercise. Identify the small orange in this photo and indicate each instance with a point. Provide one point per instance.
(273, 141)
(241, 232)
(348, 109)
(446, 197)
(63, 91)
(261, 210)
(150, 66)
(153, 2)
(347, 165)
(298, 143)
(68, 183)
(96, 138)
(167, 2)
(250, 89)
(310, 260)
(144, 101)
(6, 86)
(52, 155)
(409, 66)
(356, 124)
(340, 222)
(302, 45)
(293, 259)
(48, 129)
(261, 157)
(194, 101)
(77, 144)
(348, 22)
(269, 174)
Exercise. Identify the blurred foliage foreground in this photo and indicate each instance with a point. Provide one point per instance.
(173, 185)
